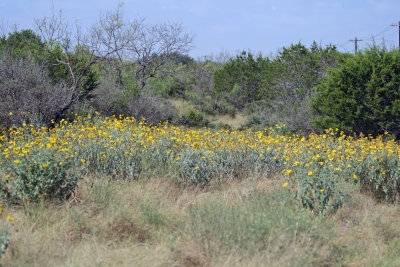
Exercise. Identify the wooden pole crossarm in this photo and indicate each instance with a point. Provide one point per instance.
(355, 44)
(397, 25)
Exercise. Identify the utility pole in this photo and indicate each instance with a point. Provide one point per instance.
(355, 44)
(398, 25)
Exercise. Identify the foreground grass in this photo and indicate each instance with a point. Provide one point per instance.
(155, 222)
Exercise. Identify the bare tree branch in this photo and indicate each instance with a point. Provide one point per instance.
(105, 40)
(120, 43)
(156, 43)
(146, 46)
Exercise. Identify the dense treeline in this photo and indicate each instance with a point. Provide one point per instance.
(118, 69)
(278, 89)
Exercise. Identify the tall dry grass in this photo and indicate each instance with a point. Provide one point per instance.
(155, 222)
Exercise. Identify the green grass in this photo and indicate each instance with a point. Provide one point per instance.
(263, 222)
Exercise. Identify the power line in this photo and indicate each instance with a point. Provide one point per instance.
(345, 43)
(387, 35)
(371, 38)
(388, 28)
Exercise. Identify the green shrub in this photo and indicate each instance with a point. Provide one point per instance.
(208, 108)
(322, 193)
(194, 118)
(380, 175)
(362, 94)
(243, 79)
(193, 97)
(195, 167)
(40, 176)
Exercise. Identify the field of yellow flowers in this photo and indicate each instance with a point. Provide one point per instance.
(319, 170)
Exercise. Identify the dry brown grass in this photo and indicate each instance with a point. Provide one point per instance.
(183, 107)
(235, 122)
(143, 223)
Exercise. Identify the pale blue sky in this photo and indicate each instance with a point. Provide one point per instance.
(232, 25)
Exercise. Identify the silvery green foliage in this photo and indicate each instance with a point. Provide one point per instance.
(195, 167)
(5, 237)
(40, 176)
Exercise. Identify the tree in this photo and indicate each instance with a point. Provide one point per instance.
(23, 44)
(27, 44)
(26, 89)
(146, 47)
(288, 85)
(362, 94)
(27, 92)
(69, 57)
(155, 46)
(242, 79)
(72, 54)
(298, 70)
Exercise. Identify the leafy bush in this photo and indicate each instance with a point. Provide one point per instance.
(26, 91)
(40, 176)
(243, 79)
(293, 75)
(194, 118)
(322, 193)
(23, 44)
(296, 116)
(174, 81)
(111, 99)
(195, 167)
(203, 94)
(381, 177)
(362, 94)
(153, 109)
(49, 80)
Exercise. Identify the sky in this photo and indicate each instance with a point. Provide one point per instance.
(231, 26)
